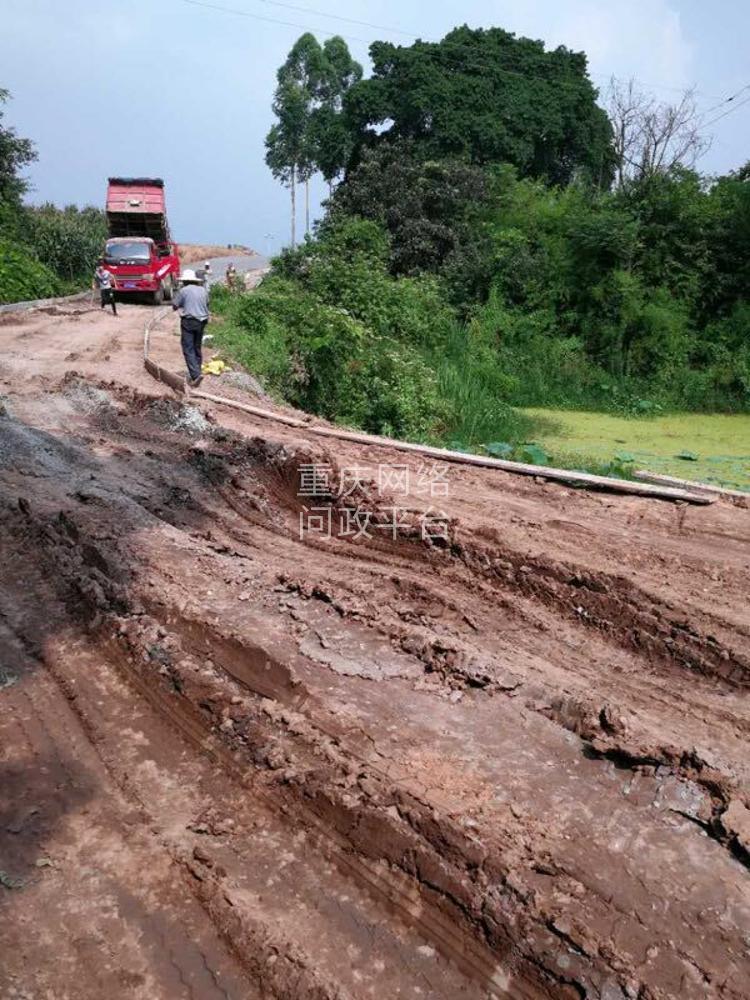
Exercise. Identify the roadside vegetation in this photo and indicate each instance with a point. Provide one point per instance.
(44, 250)
(497, 244)
(336, 334)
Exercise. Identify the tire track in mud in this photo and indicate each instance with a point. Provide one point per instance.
(610, 604)
(288, 973)
(606, 604)
(495, 890)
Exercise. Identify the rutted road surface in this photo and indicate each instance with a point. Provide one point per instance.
(237, 761)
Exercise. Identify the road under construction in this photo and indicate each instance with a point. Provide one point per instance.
(247, 753)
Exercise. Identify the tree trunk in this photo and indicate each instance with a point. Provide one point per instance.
(293, 189)
(307, 206)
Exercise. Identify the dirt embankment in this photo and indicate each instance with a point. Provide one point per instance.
(193, 253)
(245, 756)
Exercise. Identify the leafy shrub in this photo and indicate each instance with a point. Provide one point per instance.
(22, 277)
(346, 266)
(325, 360)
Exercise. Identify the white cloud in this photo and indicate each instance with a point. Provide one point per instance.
(643, 39)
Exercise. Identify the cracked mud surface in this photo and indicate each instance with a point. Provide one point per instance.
(238, 763)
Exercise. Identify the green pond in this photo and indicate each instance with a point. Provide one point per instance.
(715, 448)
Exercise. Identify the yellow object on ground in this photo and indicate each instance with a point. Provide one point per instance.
(713, 447)
(214, 367)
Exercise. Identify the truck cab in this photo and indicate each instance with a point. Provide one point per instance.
(139, 252)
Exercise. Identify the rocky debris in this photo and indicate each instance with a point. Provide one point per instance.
(736, 821)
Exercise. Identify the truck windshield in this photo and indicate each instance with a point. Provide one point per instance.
(125, 253)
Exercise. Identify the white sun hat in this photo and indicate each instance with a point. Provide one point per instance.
(188, 275)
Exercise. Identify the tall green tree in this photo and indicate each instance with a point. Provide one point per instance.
(289, 147)
(489, 97)
(15, 154)
(311, 133)
(284, 142)
(331, 133)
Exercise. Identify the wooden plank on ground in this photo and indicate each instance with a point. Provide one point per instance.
(643, 475)
(164, 375)
(256, 411)
(521, 468)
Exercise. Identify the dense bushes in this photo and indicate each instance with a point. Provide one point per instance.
(329, 360)
(630, 300)
(612, 300)
(335, 333)
(22, 277)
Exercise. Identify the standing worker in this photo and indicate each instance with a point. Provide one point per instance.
(207, 271)
(192, 299)
(231, 276)
(105, 282)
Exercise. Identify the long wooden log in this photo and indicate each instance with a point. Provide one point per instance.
(464, 458)
(520, 468)
(256, 411)
(645, 476)
(164, 375)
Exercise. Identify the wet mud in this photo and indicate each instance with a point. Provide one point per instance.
(242, 759)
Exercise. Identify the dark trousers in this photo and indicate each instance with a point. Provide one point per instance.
(192, 343)
(108, 299)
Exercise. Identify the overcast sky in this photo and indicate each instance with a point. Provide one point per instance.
(181, 89)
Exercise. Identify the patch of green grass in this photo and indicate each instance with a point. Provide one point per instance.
(266, 357)
(475, 388)
(477, 416)
(591, 441)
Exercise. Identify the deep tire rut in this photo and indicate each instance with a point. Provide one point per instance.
(501, 758)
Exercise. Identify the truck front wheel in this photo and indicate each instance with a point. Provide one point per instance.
(159, 295)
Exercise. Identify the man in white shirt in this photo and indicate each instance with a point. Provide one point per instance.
(105, 282)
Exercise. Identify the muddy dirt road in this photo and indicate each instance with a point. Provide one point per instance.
(243, 755)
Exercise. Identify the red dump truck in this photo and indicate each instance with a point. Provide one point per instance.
(139, 251)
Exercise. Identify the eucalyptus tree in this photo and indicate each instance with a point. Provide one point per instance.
(331, 133)
(289, 149)
(310, 132)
